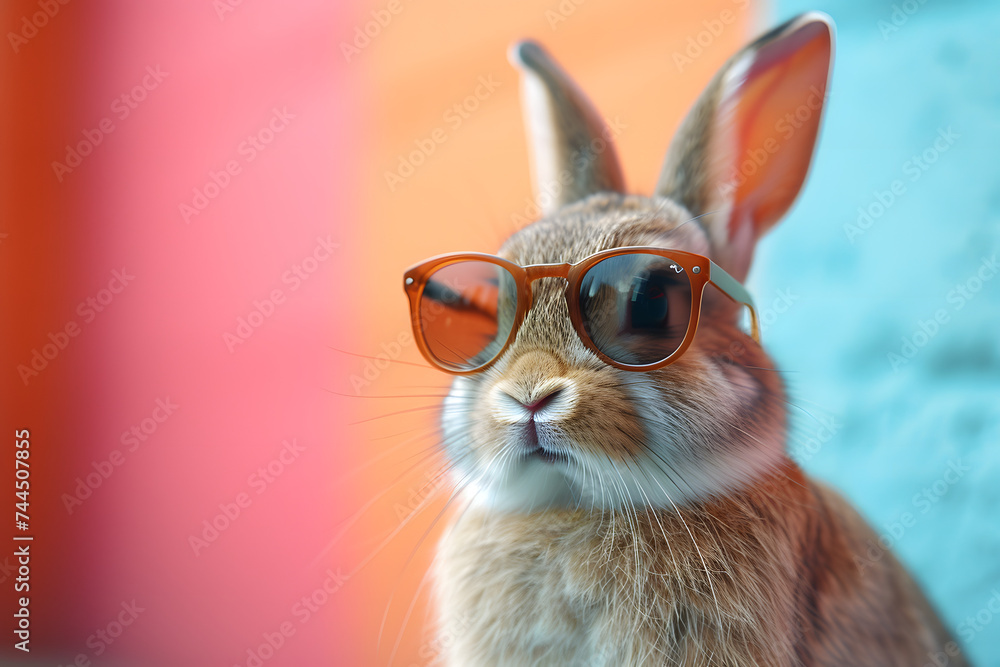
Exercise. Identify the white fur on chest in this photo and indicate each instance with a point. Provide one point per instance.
(545, 599)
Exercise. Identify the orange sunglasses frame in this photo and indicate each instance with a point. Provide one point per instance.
(699, 269)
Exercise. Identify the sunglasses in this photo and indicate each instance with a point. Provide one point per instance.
(636, 308)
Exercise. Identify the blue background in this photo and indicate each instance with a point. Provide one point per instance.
(857, 293)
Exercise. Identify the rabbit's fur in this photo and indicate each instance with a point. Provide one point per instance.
(678, 532)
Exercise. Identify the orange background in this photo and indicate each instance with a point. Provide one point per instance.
(467, 196)
(313, 371)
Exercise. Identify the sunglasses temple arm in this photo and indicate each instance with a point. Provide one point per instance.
(735, 291)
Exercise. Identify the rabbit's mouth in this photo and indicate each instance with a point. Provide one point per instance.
(533, 449)
(547, 455)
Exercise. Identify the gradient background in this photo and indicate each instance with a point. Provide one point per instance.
(333, 367)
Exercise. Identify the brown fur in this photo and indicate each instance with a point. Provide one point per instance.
(765, 577)
(676, 531)
(773, 574)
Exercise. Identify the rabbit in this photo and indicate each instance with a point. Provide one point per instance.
(621, 518)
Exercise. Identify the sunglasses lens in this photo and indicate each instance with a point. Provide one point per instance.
(467, 311)
(636, 308)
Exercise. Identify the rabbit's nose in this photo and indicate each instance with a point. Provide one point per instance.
(539, 404)
(549, 400)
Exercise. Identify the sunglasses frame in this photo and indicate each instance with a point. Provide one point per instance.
(700, 271)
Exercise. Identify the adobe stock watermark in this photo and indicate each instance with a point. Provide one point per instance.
(100, 471)
(914, 168)
(922, 502)
(754, 159)
(248, 150)
(899, 16)
(382, 360)
(453, 117)
(713, 29)
(767, 315)
(957, 297)
(225, 7)
(304, 609)
(391, 351)
(121, 108)
(561, 12)
(364, 34)
(258, 481)
(294, 278)
(943, 658)
(973, 625)
(59, 340)
(106, 635)
(32, 23)
(549, 191)
(782, 302)
(812, 444)
(968, 630)
(7, 569)
(418, 495)
(430, 651)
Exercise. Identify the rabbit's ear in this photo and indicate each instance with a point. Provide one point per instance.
(571, 151)
(742, 153)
